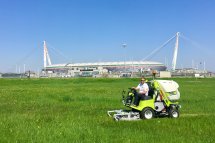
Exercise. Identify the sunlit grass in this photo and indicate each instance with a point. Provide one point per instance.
(74, 110)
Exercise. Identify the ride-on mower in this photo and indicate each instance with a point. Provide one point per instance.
(162, 101)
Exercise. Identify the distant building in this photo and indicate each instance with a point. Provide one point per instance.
(165, 74)
(190, 72)
(12, 75)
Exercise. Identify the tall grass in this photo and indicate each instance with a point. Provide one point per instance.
(74, 110)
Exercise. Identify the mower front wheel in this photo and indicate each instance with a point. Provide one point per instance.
(173, 113)
(147, 113)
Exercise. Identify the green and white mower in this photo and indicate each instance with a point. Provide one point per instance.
(162, 101)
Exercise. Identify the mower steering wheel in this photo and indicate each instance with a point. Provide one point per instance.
(132, 89)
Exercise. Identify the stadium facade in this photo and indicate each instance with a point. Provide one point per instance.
(92, 69)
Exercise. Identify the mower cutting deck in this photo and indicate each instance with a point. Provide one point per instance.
(124, 115)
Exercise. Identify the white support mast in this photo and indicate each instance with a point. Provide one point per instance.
(46, 55)
(175, 52)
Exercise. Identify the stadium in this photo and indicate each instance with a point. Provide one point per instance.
(122, 69)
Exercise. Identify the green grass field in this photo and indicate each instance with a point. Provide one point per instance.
(75, 110)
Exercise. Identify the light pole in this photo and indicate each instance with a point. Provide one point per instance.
(124, 46)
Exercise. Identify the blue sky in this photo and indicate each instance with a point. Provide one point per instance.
(94, 30)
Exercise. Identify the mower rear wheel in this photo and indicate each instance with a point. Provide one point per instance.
(147, 113)
(173, 113)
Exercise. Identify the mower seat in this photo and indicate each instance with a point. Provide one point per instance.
(146, 98)
(151, 90)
